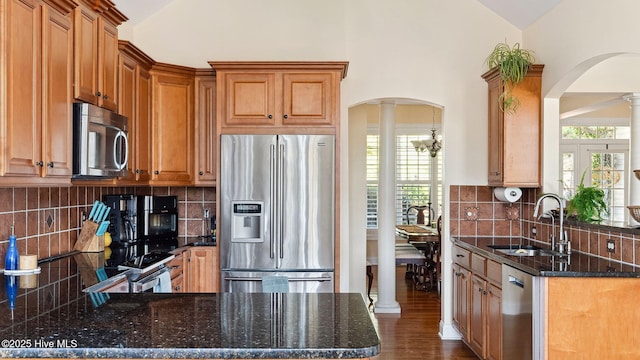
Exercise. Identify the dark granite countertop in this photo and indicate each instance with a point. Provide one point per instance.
(577, 264)
(56, 319)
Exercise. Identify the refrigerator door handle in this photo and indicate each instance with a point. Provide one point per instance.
(319, 279)
(243, 278)
(272, 193)
(281, 200)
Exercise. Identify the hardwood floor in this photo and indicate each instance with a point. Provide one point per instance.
(413, 334)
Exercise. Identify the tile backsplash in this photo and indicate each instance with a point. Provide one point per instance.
(474, 211)
(47, 220)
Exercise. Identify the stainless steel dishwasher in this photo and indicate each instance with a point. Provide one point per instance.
(517, 314)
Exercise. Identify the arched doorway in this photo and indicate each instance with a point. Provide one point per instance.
(419, 177)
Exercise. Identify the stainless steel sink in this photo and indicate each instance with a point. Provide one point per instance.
(523, 250)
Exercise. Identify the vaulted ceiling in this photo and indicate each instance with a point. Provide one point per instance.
(520, 13)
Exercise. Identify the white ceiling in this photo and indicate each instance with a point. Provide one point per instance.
(520, 13)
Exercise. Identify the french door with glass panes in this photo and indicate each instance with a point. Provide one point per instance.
(606, 167)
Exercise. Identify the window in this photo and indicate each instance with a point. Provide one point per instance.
(417, 183)
(601, 153)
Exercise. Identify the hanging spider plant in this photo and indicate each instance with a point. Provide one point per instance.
(513, 64)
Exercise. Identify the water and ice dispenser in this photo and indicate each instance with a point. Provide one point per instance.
(247, 221)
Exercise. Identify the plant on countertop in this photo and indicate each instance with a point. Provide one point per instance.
(588, 203)
(513, 64)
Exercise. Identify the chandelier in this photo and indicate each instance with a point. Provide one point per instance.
(432, 145)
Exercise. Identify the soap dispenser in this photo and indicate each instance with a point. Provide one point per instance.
(12, 258)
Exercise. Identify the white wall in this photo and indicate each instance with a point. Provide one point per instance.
(430, 50)
(597, 39)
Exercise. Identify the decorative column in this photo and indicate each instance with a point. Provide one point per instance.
(387, 212)
(634, 152)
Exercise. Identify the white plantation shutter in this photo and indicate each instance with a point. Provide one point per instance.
(413, 178)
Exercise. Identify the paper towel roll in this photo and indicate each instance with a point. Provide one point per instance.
(28, 262)
(510, 194)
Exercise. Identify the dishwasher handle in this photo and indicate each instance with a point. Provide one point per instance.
(515, 281)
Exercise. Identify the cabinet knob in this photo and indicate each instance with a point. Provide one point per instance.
(201, 173)
(98, 94)
(39, 163)
(156, 172)
(497, 173)
(286, 116)
(50, 164)
(270, 116)
(137, 171)
(105, 96)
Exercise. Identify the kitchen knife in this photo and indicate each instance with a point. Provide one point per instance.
(99, 213)
(94, 208)
(106, 213)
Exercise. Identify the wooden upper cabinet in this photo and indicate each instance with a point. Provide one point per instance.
(515, 138)
(36, 46)
(58, 82)
(205, 128)
(96, 51)
(172, 124)
(134, 102)
(279, 94)
(250, 99)
(309, 98)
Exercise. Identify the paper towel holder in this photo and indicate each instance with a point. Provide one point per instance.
(508, 194)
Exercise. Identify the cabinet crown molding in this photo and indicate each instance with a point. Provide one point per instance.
(107, 9)
(63, 6)
(340, 66)
(134, 52)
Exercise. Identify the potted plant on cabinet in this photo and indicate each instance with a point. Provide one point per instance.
(588, 203)
(513, 63)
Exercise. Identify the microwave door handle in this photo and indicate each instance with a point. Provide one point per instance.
(122, 138)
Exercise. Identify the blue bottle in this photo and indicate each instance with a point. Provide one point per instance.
(11, 259)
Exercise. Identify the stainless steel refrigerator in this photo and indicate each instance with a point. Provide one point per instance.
(276, 221)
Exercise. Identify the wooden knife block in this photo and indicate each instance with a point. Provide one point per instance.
(88, 241)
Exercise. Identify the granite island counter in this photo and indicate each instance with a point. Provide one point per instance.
(56, 319)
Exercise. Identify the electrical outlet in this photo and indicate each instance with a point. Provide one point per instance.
(534, 231)
(611, 246)
(206, 213)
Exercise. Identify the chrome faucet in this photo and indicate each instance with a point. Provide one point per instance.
(564, 246)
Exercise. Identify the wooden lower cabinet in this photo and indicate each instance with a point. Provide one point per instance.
(461, 281)
(194, 269)
(477, 303)
(201, 267)
(176, 266)
(591, 318)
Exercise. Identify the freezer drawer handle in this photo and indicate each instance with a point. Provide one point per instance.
(515, 281)
(240, 278)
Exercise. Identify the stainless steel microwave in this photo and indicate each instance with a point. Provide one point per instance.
(100, 142)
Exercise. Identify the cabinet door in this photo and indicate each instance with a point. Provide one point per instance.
(309, 98)
(202, 271)
(205, 131)
(250, 99)
(494, 322)
(126, 107)
(496, 124)
(20, 149)
(107, 60)
(85, 55)
(477, 333)
(172, 128)
(461, 299)
(142, 139)
(58, 81)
